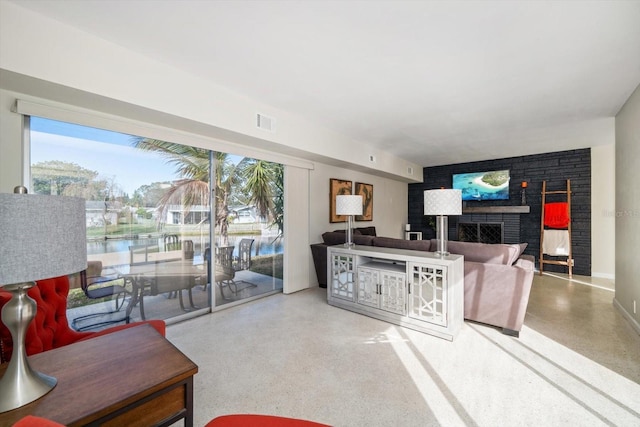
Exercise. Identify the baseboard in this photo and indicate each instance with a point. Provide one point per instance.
(634, 323)
(604, 276)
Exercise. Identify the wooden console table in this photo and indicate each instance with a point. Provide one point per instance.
(415, 289)
(133, 377)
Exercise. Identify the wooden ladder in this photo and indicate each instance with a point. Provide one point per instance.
(569, 258)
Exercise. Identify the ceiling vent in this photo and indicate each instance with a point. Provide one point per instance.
(265, 122)
(409, 170)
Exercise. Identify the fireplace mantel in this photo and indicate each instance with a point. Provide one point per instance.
(496, 209)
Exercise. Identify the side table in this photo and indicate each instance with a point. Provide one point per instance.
(413, 235)
(133, 377)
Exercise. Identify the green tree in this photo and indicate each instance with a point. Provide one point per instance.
(149, 195)
(71, 179)
(54, 176)
(251, 177)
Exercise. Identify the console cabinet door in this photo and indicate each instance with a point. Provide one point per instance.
(428, 293)
(393, 292)
(383, 289)
(342, 276)
(368, 291)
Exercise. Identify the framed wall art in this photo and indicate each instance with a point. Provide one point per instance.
(338, 187)
(366, 191)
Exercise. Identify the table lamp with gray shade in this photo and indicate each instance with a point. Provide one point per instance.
(40, 237)
(350, 206)
(441, 203)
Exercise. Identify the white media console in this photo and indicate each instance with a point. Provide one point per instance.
(414, 289)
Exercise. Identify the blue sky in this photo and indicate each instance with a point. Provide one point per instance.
(108, 153)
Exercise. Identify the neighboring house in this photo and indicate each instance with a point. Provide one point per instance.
(244, 214)
(177, 215)
(100, 212)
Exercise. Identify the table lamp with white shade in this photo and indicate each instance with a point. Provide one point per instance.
(40, 237)
(350, 206)
(442, 202)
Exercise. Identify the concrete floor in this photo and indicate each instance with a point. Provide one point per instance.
(577, 362)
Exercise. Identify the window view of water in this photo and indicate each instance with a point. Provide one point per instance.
(264, 245)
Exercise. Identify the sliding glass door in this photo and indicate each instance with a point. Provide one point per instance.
(248, 251)
(150, 227)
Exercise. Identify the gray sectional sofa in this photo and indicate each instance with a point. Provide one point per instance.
(497, 277)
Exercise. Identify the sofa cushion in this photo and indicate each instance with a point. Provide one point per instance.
(344, 230)
(336, 238)
(390, 242)
(367, 231)
(363, 240)
(486, 253)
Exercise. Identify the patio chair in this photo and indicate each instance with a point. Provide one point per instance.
(95, 285)
(243, 260)
(224, 273)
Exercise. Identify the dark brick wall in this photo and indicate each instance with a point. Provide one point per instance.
(555, 168)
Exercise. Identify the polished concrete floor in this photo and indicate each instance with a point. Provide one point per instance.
(577, 362)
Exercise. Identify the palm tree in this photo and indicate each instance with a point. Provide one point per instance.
(254, 178)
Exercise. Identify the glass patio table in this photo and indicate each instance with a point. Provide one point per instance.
(154, 278)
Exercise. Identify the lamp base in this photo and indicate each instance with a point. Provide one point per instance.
(16, 390)
(349, 232)
(442, 225)
(21, 384)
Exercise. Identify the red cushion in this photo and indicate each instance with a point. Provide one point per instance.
(50, 327)
(251, 420)
(31, 421)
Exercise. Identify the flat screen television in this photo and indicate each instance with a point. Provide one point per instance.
(492, 185)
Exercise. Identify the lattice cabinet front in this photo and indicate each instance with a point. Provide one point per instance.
(382, 286)
(415, 289)
(342, 284)
(427, 293)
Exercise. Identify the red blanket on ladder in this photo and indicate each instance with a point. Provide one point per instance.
(556, 215)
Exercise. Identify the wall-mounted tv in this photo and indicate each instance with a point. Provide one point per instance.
(493, 185)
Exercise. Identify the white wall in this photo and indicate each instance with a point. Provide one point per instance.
(603, 205)
(628, 209)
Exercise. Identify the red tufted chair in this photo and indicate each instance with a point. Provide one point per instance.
(50, 328)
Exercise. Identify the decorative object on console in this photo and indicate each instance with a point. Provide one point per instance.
(441, 203)
(366, 191)
(523, 193)
(32, 228)
(350, 206)
(337, 187)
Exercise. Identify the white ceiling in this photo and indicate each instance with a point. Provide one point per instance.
(434, 82)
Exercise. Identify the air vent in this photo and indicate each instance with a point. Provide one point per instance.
(372, 158)
(265, 122)
(409, 170)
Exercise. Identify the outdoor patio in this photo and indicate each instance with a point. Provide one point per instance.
(165, 306)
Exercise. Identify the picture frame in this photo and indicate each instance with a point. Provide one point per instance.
(338, 187)
(366, 191)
